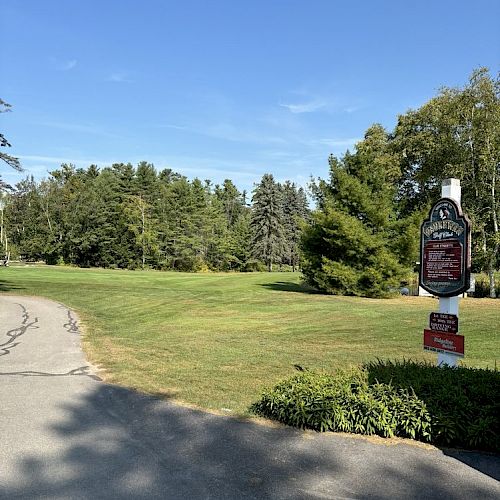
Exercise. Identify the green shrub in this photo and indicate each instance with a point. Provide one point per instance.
(443, 405)
(346, 402)
(464, 403)
(482, 288)
(253, 265)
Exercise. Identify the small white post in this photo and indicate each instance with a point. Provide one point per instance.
(450, 188)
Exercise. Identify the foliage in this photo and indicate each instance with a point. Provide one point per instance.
(364, 234)
(253, 265)
(352, 245)
(482, 287)
(464, 403)
(132, 218)
(443, 405)
(457, 134)
(346, 402)
(268, 242)
(12, 161)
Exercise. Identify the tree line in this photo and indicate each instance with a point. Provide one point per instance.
(361, 239)
(135, 217)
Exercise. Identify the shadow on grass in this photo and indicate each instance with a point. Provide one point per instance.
(7, 286)
(116, 443)
(289, 286)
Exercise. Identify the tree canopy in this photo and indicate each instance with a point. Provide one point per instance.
(12, 161)
(135, 217)
(368, 212)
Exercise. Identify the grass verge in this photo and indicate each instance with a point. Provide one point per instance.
(215, 340)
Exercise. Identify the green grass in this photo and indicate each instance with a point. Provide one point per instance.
(216, 340)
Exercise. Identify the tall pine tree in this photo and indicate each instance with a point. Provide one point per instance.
(268, 241)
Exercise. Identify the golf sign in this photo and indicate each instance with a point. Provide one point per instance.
(445, 250)
(445, 263)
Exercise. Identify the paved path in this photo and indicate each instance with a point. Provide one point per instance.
(66, 435)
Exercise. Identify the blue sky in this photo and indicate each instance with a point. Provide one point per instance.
(225, 89)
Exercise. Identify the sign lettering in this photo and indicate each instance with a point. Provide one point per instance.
(444, 342)
(446, 323)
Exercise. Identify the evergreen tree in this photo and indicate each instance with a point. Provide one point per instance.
(10, 160)
(348, 248)
(295, 214)
(125, 217)
(268, 236)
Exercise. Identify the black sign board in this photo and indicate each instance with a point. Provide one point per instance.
(441, 322)
(445, 250)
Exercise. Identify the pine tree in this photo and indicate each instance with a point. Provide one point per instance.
(347, 247)
(12, 161)
(295, 214)
(268, 241)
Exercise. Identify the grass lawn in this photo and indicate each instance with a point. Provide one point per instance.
(216, 340)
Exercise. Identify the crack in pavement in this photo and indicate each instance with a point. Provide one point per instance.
(72, 325)
(15, 333)
(80, 371)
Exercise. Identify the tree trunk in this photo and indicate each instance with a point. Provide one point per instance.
(143, 216)
(491, 276)
(496, 246)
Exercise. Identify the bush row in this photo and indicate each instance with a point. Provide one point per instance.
(464, 403)
(346, 402)
(451, 406)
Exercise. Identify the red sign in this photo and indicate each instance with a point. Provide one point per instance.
(444, 342)
(443, 260)
(446, 323)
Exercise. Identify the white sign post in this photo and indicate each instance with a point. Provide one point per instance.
(450, 188)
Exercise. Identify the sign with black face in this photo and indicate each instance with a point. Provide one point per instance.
(445, 250)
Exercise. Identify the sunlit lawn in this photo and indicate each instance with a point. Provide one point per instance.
(216, 340)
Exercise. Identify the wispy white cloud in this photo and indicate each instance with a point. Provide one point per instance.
(234, 133)
(191, 166)
(304, 107)
(118, 77)
(80, 128)
(70, 65)
(352, 109)
(173, 126)
(334, 143)
(57, 160)
(63, 65)
(228, 132)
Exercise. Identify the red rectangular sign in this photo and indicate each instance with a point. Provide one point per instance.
(443, 342)
(441, 322)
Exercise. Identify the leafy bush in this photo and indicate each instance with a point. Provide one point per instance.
(464, 403)
(346, 402)
(482, 288)
(253, 265)
(443, 405)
